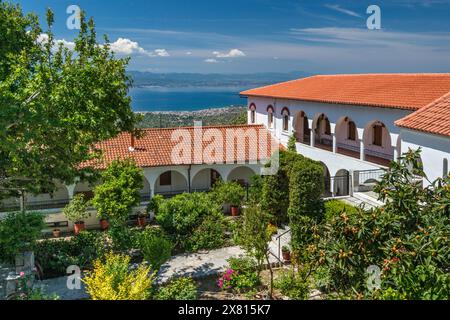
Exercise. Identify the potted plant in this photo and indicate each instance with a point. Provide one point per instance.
(142, 219)
(286, 251)
(231, 193)
(56, 233)
(76, 212)
(104, 224)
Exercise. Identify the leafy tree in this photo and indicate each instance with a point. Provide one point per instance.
(18, 232)
(56, 103)
(253, 235)
(155, 247)
(228, 193)
(113, 280)
(119, 192)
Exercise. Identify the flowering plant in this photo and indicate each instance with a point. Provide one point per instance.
(227, 280)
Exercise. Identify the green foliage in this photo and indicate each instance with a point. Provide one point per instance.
(114, 280)
(184, 216)
(18, 232)
(245, 276)
(115, 198)
(155, 247)
(292, 285)
(334, 208)
(275, 188)
(253, 234)
(407, 239)
(122, 238)
(228, 193)
(209, 234)
(55, 102)
(291, 146)
(178, 289)
(54, 256)
(305, 211)
(155, 202)
(255, 188)
(76, 210)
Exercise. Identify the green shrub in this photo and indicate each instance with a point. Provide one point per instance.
(122, 238)
(231, 193)
(208, 235)
(242, 274)
(54, 256)
(76, 210)
(334, 208)
(183, 214)
(18, 232)
(178, 289)
(155, 247)
(293, 286)
(155, 202)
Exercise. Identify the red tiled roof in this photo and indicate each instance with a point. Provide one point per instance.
(434, 118)
(400, 91)
(156, 146)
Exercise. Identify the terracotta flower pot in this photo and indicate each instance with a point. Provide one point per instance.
(56, 233)
(104, 224)
(79, 226)
(286, 256)
(142, 222)
(234, 211)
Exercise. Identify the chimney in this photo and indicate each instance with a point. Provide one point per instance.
(131, 148)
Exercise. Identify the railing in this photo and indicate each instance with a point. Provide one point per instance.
(278, 239)
(171, 193)
(364, 176)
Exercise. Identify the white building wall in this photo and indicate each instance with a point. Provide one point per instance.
(435, 149)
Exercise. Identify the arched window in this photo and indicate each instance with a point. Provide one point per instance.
(378, 135)
(351, 131)
(286, 115)
(270, 117)
(252, 113)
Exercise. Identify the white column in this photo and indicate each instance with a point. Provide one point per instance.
(312, 137)
(361, 146)
(334, 143)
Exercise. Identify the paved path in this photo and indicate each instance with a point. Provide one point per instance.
(365, 199)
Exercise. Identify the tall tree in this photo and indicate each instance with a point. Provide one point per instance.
(56, 102)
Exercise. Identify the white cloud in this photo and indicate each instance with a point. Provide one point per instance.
(43, 39)
(233, 53)
(128, 47)
(338, 8)
(211, 61)
(189, 53)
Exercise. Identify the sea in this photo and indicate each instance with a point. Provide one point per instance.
(147, 99)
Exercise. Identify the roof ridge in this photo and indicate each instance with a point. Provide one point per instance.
(205, 127)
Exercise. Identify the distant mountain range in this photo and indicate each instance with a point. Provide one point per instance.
(145, 79)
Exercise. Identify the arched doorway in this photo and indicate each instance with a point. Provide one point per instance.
(327, 181)
(171, 183)
(377, 143)
(241, 175)
(347, 139)
(322, 132)
(302, 131)
(204, 180)
(341, 183)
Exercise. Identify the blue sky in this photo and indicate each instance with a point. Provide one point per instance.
(248, 36)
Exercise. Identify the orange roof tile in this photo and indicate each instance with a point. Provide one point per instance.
(434, 118)
(162, 147)
(400, 91)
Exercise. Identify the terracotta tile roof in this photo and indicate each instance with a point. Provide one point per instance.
(434, 118)
(164, 147)
(401, 91)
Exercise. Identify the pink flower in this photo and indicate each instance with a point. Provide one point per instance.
(22, 274)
